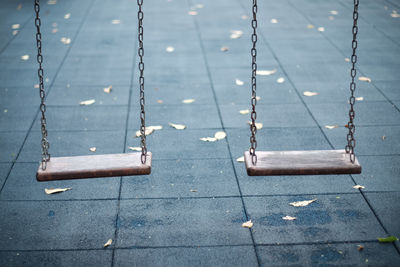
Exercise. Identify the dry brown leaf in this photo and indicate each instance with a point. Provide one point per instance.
(25, 57)
(188, 101)
(108, 89)
(67, 16)
(274, 21)
(115, 21)
(265, 72)
(170, 49)
(220, 135)
(240, 159)
(364, 79)
(87, 102)
(224, 48)
(310, 26)
(177, 126)
(280, 80)
(247, 224)
(108, 243)
(239, 82)
(65, 40)
(358, 186)
(331, 126)
(302, 203)
(135, 148)
(50, 191)
(308, 93)
(93, 149)
(15, 26)
(235, 34)
(289, 218)
(147, 132)
(360, 247)
(321, 29)
(244, 111)
(208, 139)
(360, 98)
(192, 13)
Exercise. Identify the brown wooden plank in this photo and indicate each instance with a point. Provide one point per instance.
(93, 166)
(314, 162)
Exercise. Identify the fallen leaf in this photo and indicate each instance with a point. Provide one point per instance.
(244, 111)
(333, 12)
(389, 239)
(331, 126)
(93, 149)
(364, 79)
(259, 125)
(310, 26)
(146, 132)
(358, 187)
(192, 13)
(321, 29)
(360, 247)
(308, 93)
(302, 203)
(67, 16)
(108, 243)
(188, 101)
(360, 98)
(108, 89)
(395, 15)
(239, 82)
(36, 86)
(65, 40)
(224, 48)
(115, 21)
(280, 80)
(220, 135)
(347, 59)
(274, 21)
(236, 34)
(383, 138)
(265, 72)
(135, 148)
(87, 102)
(50, 191)
(247, 224)
(244, 17)
(154, 128)
(25, 57)
(258, 98)
(289, 218)
(170, 49)
(15, 26)
(159, 101)
(240, 159)
(51, 2)
(193, 190)
(177, 126)
(208, 139)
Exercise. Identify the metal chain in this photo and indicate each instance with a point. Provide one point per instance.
(141, 83)
(44, 142)
(351, 142)
(253, 128)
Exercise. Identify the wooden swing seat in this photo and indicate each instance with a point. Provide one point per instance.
(93, 166)
(315, 162)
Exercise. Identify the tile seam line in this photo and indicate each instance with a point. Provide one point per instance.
(48, 91)
(207, 65)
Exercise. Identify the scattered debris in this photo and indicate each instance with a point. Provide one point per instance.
(108, 243)
(87, 102)
(193, 190)
(239, 82)
(146, 133)
(25, 57)
(321, 29)
(247, 224)
(93, 149)
(116, 21)
(65, 40)
(289, 218)
(360, 98)
(364, 79)
(67, 16)
(208, 139)
(240, 159)
(310, 26)
(235, 34)
(360, 247)
(192, 13)
(108, 89)
(358, 186)
(265, 72)
(170, 49)
(331, 126)
(308, 93)
(220, 135)
(50, 191)
(224, 48)
(188, 101)
(259, 125)
(280, 80)
(244, 111)
(302, 203)
(135, 148)
(177, 126)
(15, 26)
(274, 21)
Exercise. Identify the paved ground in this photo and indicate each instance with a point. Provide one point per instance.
(189, 211)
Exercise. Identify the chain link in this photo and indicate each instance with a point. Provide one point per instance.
(141, 83)
(45, 144)
(351, 142)
(253, 128)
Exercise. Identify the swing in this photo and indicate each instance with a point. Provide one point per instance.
(78, 167)
(264, 163)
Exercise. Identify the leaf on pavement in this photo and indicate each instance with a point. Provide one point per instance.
(247, 224)
(177, 126)
(302, 203)
(358, 186)
(289, 218)
(188, 101)
(331, 126)
(239, 82)
(147, 132)
(240, 159)
(364, 79)
(108, 243)
(87, 102)
(135, 148)
(265, 72)
(50, 191)
(208, 139)
(244, 111)
(389, 239)
(108, 89)
(308, 93)
(220, 135)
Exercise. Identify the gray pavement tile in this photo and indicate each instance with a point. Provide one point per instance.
(273, 115)
(25, 77)
(386, 205)
(94, 60)
(283, 185)
(200, 256)
(390, 89)
(183, 178)
(193, 116)
(373, 254)
(22, 185)
(379, 173)
(330, 218)
(308, 71)
(74, 143)
(49, 225)
(367, 113)
(80, 118)
(10, 143)
(182, 144)
(56, 258)
(17, 117)
(73, 95)
(381, 72)
(102, 74)
(4, 169)
(397, 104)
(275, 139)
(376, 140)
(160, 222)
(19, 97)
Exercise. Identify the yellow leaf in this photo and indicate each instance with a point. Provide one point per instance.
(280, 80)
(247, 224)
(308, 93)
(302, 203)
(310, 26)
(220, 135)
(321, 29)
(108, 243)
(364, 79)
(331, 126)
(208, 139)
(135, 148)
(67, 16)
(239, 82)
(25, 57)
(147, 132)
(87, 102)
(170, 49)
(360, 98)
(358, 187)
(244, 111)
(188, 101)
(108, 89)
(177, 126)
(240, 159)
(50, 191)
(115, 21)
(224, 48)
(274, 21)
(192, 13)
(289, 218)
(265, 72)
(93, 149)
(15, 26)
